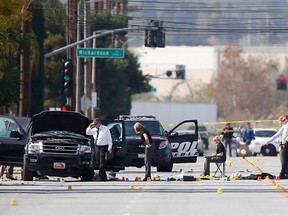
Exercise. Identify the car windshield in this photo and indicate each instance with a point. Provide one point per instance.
(153, 126)
(264, 133)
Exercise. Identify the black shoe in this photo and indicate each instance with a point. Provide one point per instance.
(11, 177)
(146, 179)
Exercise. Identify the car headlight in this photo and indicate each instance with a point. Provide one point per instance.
(84, 149)
(35, 147)
(163, 144)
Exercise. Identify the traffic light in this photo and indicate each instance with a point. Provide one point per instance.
(160, 34)
(180, 72)
(65, 108)
(281, 82)
(155, 34)
(67, 78)
(150, 38)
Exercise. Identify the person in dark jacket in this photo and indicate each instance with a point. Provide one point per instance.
(227, 134)
(149, 147)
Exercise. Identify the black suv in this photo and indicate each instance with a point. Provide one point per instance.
(170, 147)
(58, 146)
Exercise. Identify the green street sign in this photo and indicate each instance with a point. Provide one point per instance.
(100, 52)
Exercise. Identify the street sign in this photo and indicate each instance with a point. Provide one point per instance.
(85, 103)
(100, 52)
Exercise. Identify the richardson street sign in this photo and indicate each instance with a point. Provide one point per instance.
(100, 52)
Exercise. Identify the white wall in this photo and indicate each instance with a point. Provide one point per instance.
(173, 113)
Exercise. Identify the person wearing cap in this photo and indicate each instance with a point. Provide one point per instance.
(219, 157)
(149, 147)
(103, 142)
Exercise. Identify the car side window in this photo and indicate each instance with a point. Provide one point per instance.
(116, 131)
(6, 126)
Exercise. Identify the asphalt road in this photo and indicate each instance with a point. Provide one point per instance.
(216, 196)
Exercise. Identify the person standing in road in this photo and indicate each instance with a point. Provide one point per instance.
(282, 122)
(219, 157)
(248, 134)
(284, 151)
(8, 170)
(149, 147)
(103, 141)
(227, 133)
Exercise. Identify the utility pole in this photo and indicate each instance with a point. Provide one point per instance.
(72, 37)
(25, 85)
(88, 61)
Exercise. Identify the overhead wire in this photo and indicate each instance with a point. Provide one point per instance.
(217, 17)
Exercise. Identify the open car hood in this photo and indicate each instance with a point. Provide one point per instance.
(59, 121)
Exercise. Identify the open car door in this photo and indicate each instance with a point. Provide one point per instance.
(184, 142)
(13, 138)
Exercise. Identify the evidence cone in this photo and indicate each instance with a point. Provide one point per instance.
(148, 179)
(123, 178)
(13, 201)
(267, 178)
(132, 187)
(219, 191)
(278, 186)
(127, 179)
(69, 187)
(277, 178)
(140, 189)
(136, 179)
(259, 178)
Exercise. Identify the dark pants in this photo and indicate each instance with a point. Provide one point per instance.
(147, 161)
(211, 159)
(101, 158)
(228, 143)
(284, 160)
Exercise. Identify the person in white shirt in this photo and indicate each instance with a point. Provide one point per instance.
(103, 141)
(279, 134)
(284, 151)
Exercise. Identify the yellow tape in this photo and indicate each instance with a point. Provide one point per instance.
(224, 122)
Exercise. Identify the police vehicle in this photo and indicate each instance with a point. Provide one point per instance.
(170, 146)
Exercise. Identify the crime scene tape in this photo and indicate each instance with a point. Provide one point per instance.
(225, 122)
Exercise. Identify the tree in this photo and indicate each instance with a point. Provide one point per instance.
(55, 20)
(12, 14)
(242, 86)
(120, 79)
(37, 57)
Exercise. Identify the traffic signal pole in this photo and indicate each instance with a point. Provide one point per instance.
(96, 34)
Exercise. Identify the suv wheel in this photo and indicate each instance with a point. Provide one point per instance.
(88, 175)
(27, 175)
(166, 168)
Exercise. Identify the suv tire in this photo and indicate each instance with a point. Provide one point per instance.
(88, 175)
(27, 175)
(167, 167)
